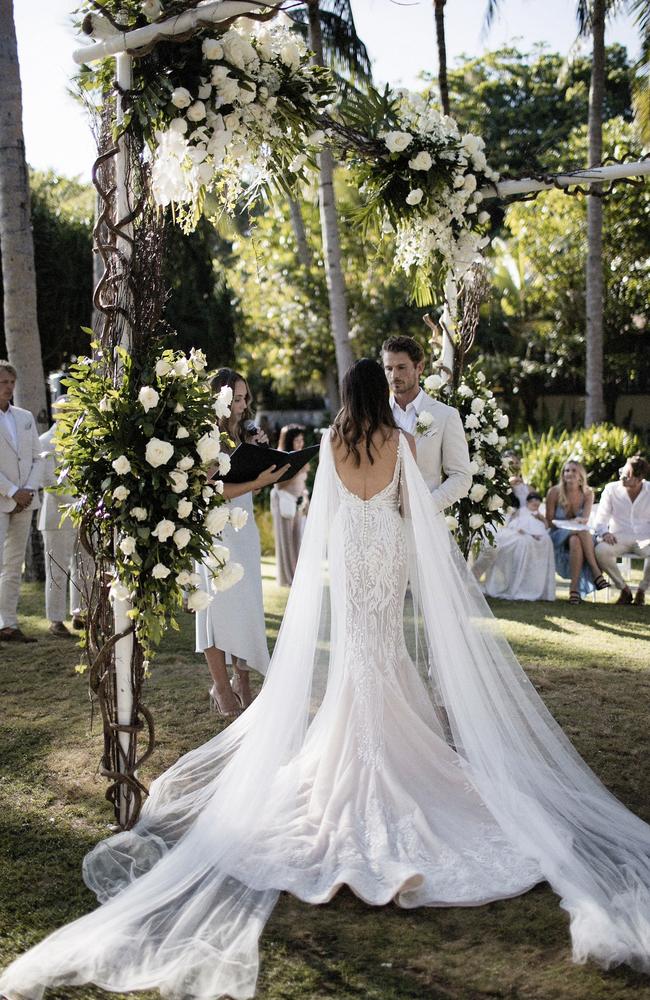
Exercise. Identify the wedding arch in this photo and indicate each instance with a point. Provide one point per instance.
(203, 105)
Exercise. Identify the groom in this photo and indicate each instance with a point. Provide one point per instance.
(442, 446)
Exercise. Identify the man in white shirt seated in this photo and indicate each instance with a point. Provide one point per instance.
(20, 478)
(623, 526)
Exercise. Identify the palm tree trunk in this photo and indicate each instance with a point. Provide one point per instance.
(443, 85)
(330, 229)
(16, 241)
(594, 403)
(298, 226)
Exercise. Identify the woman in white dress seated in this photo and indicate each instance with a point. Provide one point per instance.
(232, 629)
(523, 567)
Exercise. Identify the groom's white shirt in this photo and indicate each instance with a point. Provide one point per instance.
(441, 450)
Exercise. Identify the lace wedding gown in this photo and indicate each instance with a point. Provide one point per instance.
(340, 773)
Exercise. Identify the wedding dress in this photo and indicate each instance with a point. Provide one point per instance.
(340, 773)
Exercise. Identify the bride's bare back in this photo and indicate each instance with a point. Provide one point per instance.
(369, 478)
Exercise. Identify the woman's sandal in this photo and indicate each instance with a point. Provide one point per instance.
(574, 597)
(216, 707)
(600, 582)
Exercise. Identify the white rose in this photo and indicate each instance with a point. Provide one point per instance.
(480, 377)
(119, 592)
(477, 492)
(158, 452)
(425, 419)
(181, 537)
(182, 432)
(502, 441)
(198, 360)
(105, 404)
(207, 492)
(451, 523)
(469, 183)
(197, 112)
(433, 382)
(238, 518)
(181, 97)
(473, 467)
(164, 530)
(224, 464)
(179, 408)
(208, 447)
(478, 405)
(120, 493)
(414, 197)
(491, 438)
(204, 91)
(228, 577)
(139, 513)
(483, 217)
(184, 508)
(212, 49)
(495, 503)
(179, 481)
(183, 578)
(182, 367)
(422, 161)
(127, 545)
(221, 552)
(217, 519)
(121, 465)
(185, 463)
(148, 398)
(163, 368)
(160, 572)
(503, 421)
(464, 390)
(476, 521)
(290, 55)
(489, 472)
(177, 125)
(151, 9)
(472, 422)
(397, 141)
(198, 600)
(247, 94)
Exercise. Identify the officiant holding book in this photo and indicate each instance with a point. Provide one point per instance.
(231, 630)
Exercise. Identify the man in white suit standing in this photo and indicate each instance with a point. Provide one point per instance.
(442, 452)
(20, 478)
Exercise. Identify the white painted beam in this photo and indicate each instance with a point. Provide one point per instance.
(189, 20)
(593, 175)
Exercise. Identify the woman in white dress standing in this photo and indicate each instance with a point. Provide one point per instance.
(289, 503)
(231, 630)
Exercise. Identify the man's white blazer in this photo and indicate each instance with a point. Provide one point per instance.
(442, 449)
(20, 464)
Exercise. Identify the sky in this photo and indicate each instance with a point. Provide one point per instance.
(400, 37)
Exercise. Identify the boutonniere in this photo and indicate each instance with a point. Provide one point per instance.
(423, 424)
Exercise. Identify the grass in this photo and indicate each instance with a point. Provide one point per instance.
(589, 662)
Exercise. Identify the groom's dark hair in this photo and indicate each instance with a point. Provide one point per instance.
(407, 345)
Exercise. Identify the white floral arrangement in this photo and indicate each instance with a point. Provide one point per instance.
(479, 514)
(140, 453)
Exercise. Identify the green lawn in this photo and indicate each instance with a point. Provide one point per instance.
(591, 665)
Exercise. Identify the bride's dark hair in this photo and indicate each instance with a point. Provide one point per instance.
(365, 408)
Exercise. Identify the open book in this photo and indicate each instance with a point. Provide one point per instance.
(248, 460)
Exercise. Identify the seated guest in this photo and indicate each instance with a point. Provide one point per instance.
(481, 562)
(20, 478)
(65, 559)
(289, 502)
(575, 559)
(523, 568)
(623, 526)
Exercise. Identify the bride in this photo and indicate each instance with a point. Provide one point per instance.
(340, 772)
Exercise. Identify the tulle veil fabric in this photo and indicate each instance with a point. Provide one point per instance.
(187, 892)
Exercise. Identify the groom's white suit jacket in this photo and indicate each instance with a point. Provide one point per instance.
(442, 452)
(20, 463)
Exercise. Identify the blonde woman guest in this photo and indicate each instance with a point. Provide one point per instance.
(572, 500)
(231, 630)
(289, 503)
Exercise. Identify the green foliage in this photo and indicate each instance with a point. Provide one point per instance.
(123, 493)
(602, 449)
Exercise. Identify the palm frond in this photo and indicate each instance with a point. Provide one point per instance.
(344, 51)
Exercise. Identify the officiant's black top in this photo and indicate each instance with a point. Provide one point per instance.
(248, 460)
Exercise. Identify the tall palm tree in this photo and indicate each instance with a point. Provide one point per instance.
(16, 242)
(591, 17)
(334, 42)
(443, 85)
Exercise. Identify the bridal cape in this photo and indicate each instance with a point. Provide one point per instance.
(346, 770)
